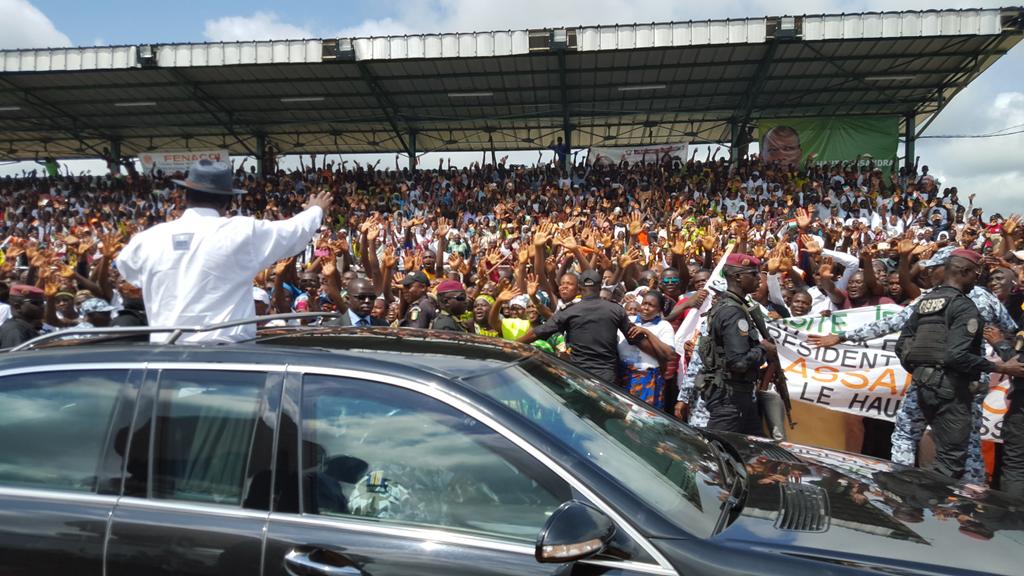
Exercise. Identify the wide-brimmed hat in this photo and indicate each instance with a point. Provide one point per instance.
(210, 177)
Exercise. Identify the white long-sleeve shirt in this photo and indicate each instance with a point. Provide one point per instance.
(819, 300)
(198, 270)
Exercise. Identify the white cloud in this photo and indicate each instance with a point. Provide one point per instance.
(24, 26)
(381, 27)
(259, 26)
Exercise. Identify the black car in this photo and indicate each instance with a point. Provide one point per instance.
(374, 451)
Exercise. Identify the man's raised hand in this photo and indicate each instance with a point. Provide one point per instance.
(322, 199)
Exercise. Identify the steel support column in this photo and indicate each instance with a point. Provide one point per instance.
(909, 138)
(566, 120)
(734, 142)
(412, 151)
(261, 151)
(114, 163)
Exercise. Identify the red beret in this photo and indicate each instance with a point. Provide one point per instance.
(450, 286)
(26, 290)
(742, 261)
(966, 255)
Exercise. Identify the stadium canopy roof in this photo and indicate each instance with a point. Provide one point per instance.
(622, 85)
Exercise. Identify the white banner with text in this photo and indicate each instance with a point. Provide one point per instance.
(171, 161)
(864, 379)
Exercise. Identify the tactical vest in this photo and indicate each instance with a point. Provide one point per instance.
(929, 345)
(711, 351)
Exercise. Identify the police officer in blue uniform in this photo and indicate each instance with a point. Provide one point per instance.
(941, 346)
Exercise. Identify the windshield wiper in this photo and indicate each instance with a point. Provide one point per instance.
(732, 506)
(729, 465)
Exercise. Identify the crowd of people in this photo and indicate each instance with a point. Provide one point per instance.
(597, 263)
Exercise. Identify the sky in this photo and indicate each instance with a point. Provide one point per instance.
(990, 167)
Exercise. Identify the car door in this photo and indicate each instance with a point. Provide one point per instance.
(59, 469)
(197, 481)
(381, 479)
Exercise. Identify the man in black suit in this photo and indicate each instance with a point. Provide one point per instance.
(360, 303)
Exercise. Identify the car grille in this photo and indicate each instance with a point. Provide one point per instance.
(776, 452)
(802, 508)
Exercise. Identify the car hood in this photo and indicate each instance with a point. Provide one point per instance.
(851, 509)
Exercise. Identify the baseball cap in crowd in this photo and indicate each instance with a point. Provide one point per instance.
(95, 306)
(939, 258)
(522, 301)
(261, 295)
(590, 278)
(210, 177)
(417, 276)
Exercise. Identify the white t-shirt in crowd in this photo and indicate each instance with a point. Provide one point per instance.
(636, 358)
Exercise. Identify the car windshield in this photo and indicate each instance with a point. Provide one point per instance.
(663, 462)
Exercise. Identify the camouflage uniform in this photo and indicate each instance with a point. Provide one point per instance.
(698, 412)
(910, 422)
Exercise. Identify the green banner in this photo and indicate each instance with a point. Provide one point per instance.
(815, 141)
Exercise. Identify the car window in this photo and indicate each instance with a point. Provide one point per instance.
(386, 453)
(53, 426)
(661, 460)
(204, 428)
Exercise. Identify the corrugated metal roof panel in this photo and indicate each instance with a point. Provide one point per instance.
(673, 72)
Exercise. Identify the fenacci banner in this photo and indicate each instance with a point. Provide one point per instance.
(864, 379)
(171, 161)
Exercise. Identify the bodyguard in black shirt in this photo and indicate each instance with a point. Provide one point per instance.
(591, 329)
(941, 346)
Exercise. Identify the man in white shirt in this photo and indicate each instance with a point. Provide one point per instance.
(198, 270)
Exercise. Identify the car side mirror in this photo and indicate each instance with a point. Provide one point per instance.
(575, 531)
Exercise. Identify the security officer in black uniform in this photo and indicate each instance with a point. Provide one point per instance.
(941, 346)
(732, 353)
(451, 295)
(591, 329)
(1011, 480)
(421, 310)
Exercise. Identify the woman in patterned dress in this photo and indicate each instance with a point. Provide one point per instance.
(645, 350)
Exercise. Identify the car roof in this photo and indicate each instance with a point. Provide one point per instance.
(412, 353)
(449, 354)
